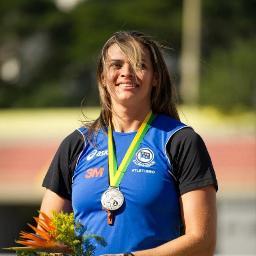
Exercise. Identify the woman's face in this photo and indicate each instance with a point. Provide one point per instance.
(125, 85)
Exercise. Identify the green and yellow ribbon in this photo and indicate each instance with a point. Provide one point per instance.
(116, 174)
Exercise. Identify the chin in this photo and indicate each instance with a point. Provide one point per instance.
(126, 100)
(127, 97)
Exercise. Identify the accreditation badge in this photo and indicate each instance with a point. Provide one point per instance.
(112, 199)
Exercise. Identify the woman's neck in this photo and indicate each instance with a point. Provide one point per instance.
(127, 119)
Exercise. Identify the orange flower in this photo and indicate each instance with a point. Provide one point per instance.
(43, 238)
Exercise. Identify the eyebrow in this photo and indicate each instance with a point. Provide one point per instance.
(113, 60)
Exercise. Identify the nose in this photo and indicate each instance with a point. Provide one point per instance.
(127, 70)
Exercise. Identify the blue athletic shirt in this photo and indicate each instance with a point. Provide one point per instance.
(150, 215)
(169, 162)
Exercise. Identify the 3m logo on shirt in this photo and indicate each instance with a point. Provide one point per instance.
(144, 157)
(96, 153)
(94, 173)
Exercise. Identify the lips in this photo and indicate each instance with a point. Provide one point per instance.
(128, 85)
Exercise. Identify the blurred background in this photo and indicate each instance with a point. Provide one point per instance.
(48, 56)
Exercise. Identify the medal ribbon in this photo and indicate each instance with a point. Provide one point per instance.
(116, 174)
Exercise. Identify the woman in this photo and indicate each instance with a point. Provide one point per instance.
(136, 176)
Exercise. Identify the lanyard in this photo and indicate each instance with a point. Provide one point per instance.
(116, 174)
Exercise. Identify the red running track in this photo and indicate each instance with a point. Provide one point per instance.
(234, 161)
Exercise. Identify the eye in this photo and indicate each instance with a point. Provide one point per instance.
(141, 65)
(115, 65)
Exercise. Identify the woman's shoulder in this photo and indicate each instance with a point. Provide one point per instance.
(74, 136)
(187, 136)
(72, 142)
(167, 123)
(186, 140)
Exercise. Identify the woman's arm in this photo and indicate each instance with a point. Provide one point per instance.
(199, 213)
(53, 202)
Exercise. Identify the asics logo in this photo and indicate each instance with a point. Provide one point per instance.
(96, 153)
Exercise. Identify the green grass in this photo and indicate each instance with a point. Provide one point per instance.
(42, 124)
(23, 124)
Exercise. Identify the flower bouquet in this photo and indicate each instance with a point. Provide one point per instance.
(59, 234)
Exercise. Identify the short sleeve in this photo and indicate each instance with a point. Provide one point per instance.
(59, 175)
(191, 162)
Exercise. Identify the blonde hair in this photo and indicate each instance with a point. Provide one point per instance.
(163, 95)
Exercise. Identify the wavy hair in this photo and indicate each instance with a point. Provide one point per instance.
(163, 95)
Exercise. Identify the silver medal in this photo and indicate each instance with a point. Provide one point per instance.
(112, 199)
